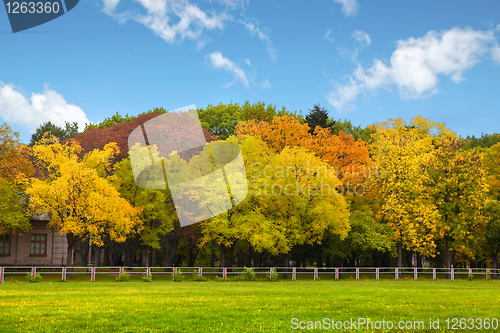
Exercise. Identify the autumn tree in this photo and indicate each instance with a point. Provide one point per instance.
(14, 167)
(401, 151)
(347, 156)
(14, 164)
(117, 129)
(157, 212)
(457, 183)
(293, 200)
(76, 195)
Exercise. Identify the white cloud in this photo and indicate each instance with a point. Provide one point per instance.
(263, 37)
(234, 4)
(349, 7)
(38, 109)
(247, 61)
(495, 52)
(416, 64)
(265, 84)
(362, 38)
(192, 22)
(218, 61)
(110, 5)
(327, 36)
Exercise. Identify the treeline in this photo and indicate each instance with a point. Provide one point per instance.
(321, 192)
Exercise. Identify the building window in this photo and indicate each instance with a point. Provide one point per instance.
(38, 245)
(4, 245)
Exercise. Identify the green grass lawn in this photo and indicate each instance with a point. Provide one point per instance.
(165, 306)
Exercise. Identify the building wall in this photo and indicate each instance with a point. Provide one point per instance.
(20, 248)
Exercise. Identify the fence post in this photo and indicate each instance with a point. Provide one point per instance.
(200, 273)
(452, 274)
(315, 273)
(1, 274)
(148, 272)
(294, 273)
(376, 273)
(396, 275)
(357, 273)
(271, 271)
(415, 274)
(92, 274)
(33, 271)
(63, 277)
(121, 270)
(470, 271)
(487, 271)
(434, 274)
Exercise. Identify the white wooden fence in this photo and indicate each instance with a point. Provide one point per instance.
(295, 273)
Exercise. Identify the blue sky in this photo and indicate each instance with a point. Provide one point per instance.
(364, 60)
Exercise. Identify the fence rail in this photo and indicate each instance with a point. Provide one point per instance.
(293, 273)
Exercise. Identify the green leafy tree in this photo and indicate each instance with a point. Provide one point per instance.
(12, 211)
(221, 120)
(485, 141)
(318, 116)
(357, 132)
(61, 133)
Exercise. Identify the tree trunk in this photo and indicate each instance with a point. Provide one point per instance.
(153, 261)
(328, 261)
(222, 258)
(169, 244)
(319, 257)
(419, 260)
(212, 258)
(400, 258)
(192, 252)
(494, 264)
(447, 256)
(287, 264)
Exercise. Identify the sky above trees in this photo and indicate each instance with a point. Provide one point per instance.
(362, 60)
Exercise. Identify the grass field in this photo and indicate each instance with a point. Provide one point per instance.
(165, 306)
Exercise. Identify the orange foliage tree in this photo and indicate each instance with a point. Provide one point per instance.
(347, 156)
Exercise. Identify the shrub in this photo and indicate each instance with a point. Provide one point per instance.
(221, 279)
(272, 278)
(147, 278)
(124, 277)
(177, 276)
(248, 275)
(35, 278)
(196, 277)
(470, 277)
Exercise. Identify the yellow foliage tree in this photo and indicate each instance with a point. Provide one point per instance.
(293, 199)
(401, 151)
(76, 196)
(457, 183)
